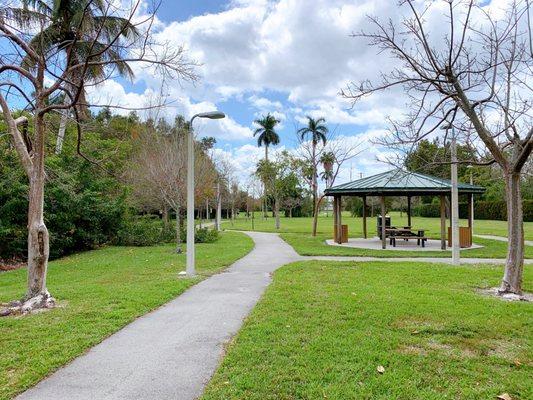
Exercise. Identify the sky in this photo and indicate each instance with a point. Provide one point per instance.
(287, 57)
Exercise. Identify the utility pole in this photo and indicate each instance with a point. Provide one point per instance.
(455, 197)
(219, 208)
(191, 270)
(471, 202)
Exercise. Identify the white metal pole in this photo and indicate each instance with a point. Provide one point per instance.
(471, 205)
(455, 203)
(219, 208)
(190, 201)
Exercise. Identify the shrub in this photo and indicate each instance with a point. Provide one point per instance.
(150, 230)
(144, 231)
(204, 235)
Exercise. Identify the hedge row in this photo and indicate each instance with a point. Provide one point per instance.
(494, 210)
(149, 230)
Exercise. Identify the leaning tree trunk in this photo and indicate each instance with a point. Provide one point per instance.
(37, 295)
(514, 265)
(61, 132)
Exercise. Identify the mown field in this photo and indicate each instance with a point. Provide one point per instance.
(322, 330)
(296, 232)
(99, 292)
(355, 225)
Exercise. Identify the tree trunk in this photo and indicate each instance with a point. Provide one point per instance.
(315, 217)
(313, 182)
(179, 250)
(181, 212)
(276, 211)
(37, 295)
(514, 265)
(165, 216)
(265, 209)
(219, 208)
(62, 129)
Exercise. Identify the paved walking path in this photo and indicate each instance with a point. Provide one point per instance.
(172, 352)
(503, 239)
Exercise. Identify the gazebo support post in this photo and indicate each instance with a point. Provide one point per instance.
(470, 215)
(409, 211)
(443, 222)
(364, 217)
(339, 220)
(335, 201)
(383, 223)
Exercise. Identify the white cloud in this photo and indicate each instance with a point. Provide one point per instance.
(301, 50)
(263, 103)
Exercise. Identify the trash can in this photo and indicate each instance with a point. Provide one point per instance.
(344, 234)
(465, 237)
(378, 226)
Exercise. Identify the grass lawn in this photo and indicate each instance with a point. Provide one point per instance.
(355, 225)
(296, 232)
(322, 329)
(308, 245)
(100, 291)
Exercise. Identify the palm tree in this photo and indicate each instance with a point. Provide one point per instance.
(266, 131)
(77, 28)
(267, 136)
(317, 129)
(327, 159)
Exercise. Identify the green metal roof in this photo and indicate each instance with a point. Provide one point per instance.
(400, 182)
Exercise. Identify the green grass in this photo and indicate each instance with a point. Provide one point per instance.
(322, 329)
(99, 292)
(355, 225)
(296, 232)
(308, 245)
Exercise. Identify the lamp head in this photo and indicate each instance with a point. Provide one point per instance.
(212, 115)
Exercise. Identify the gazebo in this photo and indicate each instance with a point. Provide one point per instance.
(399, 183)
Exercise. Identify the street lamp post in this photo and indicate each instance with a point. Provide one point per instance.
(471, 201)
(190, 188)
(455, 197)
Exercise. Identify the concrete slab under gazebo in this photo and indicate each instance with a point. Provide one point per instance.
(398, 183)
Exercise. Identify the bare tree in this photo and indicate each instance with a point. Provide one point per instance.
(477, 76)
(160, 164)
(310, 154)
(47, 73)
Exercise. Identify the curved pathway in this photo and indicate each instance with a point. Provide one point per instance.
(172, 352)
(503, 239)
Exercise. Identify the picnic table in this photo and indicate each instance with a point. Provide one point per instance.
(406, 233)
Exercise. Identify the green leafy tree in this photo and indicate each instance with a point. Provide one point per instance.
(81, 28)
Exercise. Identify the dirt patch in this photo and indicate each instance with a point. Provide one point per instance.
(413, 350)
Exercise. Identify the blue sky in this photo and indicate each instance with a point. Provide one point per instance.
(260, 56)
